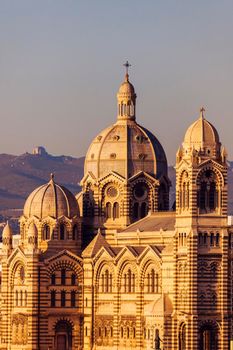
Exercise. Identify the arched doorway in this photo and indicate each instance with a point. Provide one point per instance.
(63, 335)
(182, 337)
(208, 337)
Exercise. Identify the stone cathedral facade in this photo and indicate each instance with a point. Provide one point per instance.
(113, 267)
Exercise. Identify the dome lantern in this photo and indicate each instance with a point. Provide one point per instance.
(126, 98)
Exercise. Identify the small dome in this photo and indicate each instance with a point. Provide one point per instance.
(52, 200)
(126, 87)
(7, 231)
(201, 133)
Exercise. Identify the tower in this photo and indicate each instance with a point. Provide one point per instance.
(125, 175)
(201, 239)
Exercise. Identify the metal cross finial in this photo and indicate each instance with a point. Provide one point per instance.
(202, 110)
(127, 65)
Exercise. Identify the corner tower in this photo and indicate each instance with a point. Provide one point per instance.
(201, 172)
(125, 173)
(201, 240)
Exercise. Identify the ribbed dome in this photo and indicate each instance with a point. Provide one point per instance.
(7, 231)
(201, 133)
(125, 148)
(52, 200)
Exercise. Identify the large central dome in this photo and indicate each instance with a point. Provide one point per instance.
(126, 147)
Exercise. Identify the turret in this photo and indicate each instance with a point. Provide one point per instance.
(7, 239)
(32, 235)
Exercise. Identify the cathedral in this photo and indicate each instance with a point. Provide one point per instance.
(114, 268)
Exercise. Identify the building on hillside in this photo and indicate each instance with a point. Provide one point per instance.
(113, 268)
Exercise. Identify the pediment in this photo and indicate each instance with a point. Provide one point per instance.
(128, 252)
(211, 162)
(64, 254)
(150, 250)
(112, 176)
(104, 252)
(142, 174)
(17, 253)
(89, 177)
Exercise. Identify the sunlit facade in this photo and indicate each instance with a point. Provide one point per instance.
(113, 267)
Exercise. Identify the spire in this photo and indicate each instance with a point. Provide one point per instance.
(126, 97)
(202, 110)
(51, 177)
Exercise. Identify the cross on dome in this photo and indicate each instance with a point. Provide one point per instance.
(127, 65)
(202, 110)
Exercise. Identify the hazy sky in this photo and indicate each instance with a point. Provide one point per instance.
(61, 67)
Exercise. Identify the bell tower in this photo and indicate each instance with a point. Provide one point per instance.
(201, 236)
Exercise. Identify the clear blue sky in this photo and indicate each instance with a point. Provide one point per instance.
(61, 66)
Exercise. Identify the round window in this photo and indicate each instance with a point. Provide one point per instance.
(112, 192)
(140, 191)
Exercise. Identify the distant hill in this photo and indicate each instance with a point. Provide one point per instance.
(20, 175)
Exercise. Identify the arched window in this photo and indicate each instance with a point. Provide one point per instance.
(162, 198)
(116, 211)
(108, 211)
(73, 298)
(106, 278)
(62, 232)
(73, 279)
(200, 238)
(211, 239)
(46, 232)
(25, 298)
(53, 298)
(105, 332)
(212, 196)
(182, 337)
(144, 209)
(75, 232)
(63, 277)
(129, 282)
(21, 298)
(106, 281)
(99, 331)
(152, 282)
(63, 298)
(111, 332)
(208, 337)
(53, 279)
(127, 332)
(135, 210)
(129, 278)
(122, 332)
(134, 332)
(208, 194)
(205, 238)
(17, 298)
(217, 239)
